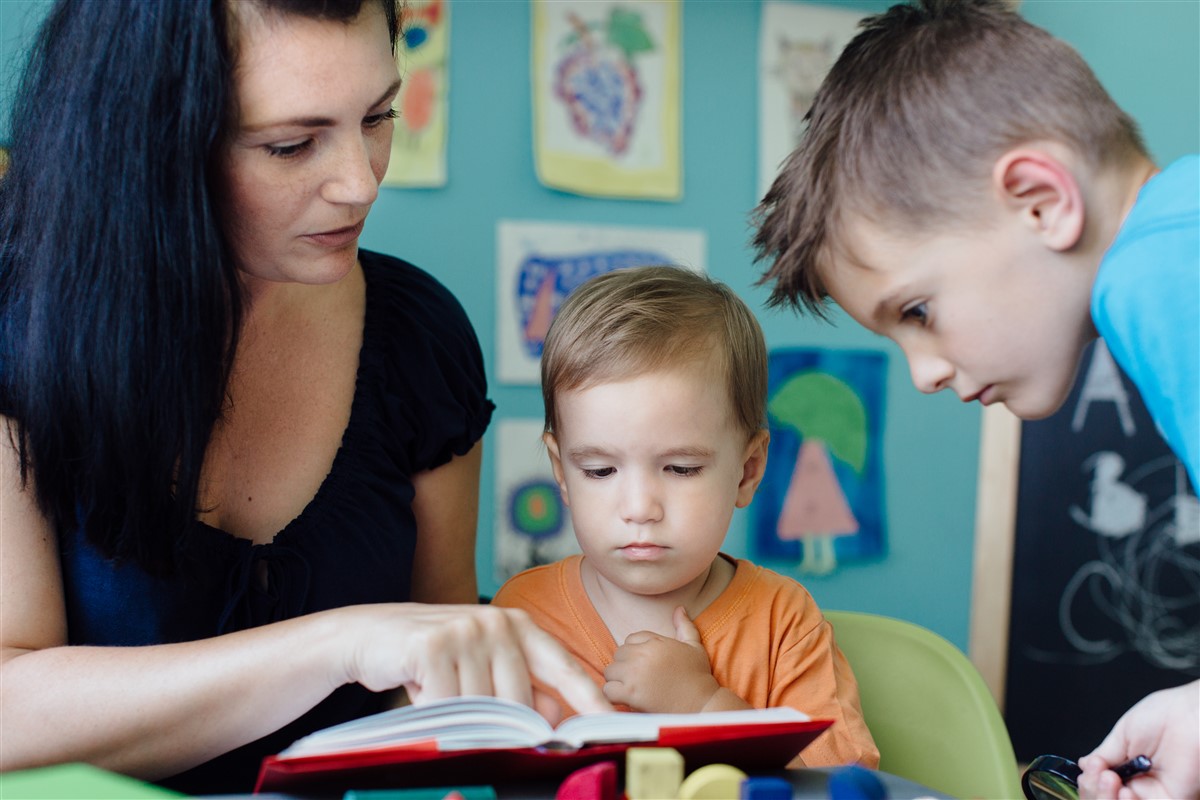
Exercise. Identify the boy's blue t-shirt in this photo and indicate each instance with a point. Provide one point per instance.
(1146, 304)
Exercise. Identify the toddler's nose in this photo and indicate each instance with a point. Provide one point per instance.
(640, 503)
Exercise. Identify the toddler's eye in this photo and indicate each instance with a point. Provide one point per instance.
(598, 472)
(682, 471)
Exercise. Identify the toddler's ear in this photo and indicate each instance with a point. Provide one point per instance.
(754, 464)
(1045, 194)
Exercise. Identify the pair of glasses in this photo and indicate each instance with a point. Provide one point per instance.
(1057, 778)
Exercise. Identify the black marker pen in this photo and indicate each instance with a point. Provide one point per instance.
(1134, 766)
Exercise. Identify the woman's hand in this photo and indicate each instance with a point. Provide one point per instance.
(443, 651)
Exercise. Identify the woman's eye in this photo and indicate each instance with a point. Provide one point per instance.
(288, 150)
(918, 313)
(682, 471)
(599, 472)
(378, 119)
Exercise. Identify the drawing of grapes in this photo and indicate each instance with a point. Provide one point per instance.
(597, 78)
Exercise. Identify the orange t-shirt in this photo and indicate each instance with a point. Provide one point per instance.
(765, 637)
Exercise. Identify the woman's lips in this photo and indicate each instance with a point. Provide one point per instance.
(339, 237)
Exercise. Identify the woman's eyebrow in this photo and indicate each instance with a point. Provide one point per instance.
(316, 122)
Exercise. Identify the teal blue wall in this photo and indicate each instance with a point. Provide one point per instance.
(1145, 52)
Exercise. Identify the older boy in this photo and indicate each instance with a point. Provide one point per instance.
(655, 383)
(968, 189)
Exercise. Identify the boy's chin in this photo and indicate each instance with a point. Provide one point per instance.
(1028, 415)
(1032, 409)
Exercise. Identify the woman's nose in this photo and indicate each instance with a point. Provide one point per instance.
(352, 178)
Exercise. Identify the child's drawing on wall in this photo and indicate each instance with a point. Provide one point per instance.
(798, 43)
(532, 526)
(606, 97)
(419, 134)
(540, 263)
(821, 501)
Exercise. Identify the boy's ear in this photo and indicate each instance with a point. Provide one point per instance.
(754, 464)
(1044, 192)
(556, 463)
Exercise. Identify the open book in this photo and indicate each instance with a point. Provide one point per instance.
(492, 740)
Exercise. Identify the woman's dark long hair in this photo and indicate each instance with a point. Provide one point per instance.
(119, 300)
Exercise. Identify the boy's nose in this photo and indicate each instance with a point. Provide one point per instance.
(930, 373)
(640, 503)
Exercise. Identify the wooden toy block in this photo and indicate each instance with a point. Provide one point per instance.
(712, 782)
(855, 783)
(653, 773)
(595, 782)
(431, 793)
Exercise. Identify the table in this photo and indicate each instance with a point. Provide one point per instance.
(85, 782)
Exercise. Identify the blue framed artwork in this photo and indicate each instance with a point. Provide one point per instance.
(821, 500)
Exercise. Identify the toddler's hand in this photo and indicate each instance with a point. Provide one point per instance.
(651, 672)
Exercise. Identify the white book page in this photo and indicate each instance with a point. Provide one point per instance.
(457, 723)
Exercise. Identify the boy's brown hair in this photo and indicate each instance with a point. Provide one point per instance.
(908, 123)
(628, 322)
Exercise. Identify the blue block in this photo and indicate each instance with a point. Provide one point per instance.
(856, 783)
(765, 789)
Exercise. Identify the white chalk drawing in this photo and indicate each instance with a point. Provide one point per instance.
(1146, 582)
(1103, 384)
(1142, 594)
(1117, 508)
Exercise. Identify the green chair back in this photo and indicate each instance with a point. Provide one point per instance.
(932, 716)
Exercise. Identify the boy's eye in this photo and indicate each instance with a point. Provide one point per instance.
(683, 471)
(598, 472)
(918, 313)
(378, 119)
(289, 150)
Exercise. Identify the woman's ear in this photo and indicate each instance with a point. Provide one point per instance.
(1043, 192)
(754, 465)
(556, 463)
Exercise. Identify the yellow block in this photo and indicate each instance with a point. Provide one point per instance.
(713, 782)
(653, 773)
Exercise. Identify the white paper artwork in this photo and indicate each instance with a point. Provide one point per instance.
(539, 263)
(798, 43)
(532, 523)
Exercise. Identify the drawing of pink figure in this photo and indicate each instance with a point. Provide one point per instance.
(815, 510)
(830, 419)
(598, 82)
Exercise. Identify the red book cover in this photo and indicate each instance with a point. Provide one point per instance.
(413, 760)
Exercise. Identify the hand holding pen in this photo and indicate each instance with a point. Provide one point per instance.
(1165, 727)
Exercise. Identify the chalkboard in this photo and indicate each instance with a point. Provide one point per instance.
(1105, 597)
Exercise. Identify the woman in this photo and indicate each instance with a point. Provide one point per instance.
(237, 445)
